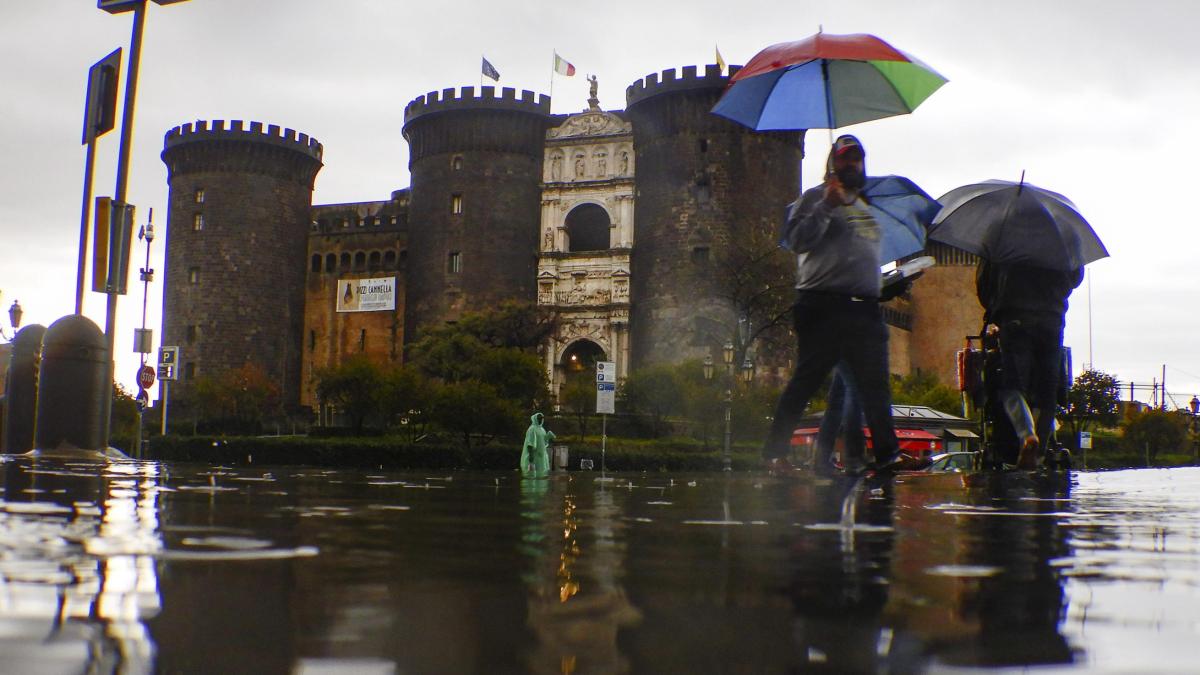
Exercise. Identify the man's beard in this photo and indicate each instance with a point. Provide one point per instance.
(850, 177)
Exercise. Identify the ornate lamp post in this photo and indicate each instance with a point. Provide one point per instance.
(14, 319)
(747, 375)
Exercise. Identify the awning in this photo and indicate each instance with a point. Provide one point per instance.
(903, 434)
(961, 433)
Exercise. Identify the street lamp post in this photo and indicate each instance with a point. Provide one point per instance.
(144, 341)
(747, 374)
(14, 317)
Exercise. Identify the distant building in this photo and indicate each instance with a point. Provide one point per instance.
(607, 217)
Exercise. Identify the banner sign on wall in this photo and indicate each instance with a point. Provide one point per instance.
(366, 295)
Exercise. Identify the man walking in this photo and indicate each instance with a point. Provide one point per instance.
(836, 316)
(1025, 309)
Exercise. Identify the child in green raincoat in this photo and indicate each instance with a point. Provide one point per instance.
(535, 454)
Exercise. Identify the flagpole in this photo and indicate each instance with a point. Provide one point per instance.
(553, 63)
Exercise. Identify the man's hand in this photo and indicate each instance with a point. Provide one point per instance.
(835, 192)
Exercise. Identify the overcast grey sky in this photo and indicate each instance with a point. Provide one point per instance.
(1096, 99)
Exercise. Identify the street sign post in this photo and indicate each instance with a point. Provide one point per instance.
(168, 358)
(606, 395)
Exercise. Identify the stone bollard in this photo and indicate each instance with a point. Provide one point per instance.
(21, 390)
(72, 386)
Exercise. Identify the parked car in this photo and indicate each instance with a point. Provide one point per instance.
(953, 461)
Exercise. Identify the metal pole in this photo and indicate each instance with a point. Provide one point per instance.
(148, 236)
(89, 165)
(728, 405)
(603, 443)
(131, 78)
(166, 387)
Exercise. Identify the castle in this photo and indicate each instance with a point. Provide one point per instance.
(604, 216)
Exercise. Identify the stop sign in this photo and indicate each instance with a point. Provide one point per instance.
(145, 377)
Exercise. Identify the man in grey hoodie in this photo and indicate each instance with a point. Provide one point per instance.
(836, 316)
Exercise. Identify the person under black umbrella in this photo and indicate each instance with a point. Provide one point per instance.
(1025, 310)
(1033, 244)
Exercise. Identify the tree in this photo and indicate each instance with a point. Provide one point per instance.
(124, 413)
(407, 396)
(755, 282)
(487, 359)
(355, 387)
(1154, 430)
(236, 400)
(653, 391)
(578, 397)
(923, 388)
(475, 408)
(701, 400)
(518, 325)
(1094, 398)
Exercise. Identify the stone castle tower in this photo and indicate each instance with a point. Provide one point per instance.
(238, 218)
(702, 181)
(476, 166)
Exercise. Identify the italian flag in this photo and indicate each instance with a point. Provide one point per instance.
(562, 66)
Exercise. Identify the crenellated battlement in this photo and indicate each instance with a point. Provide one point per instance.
(236, 130)
(669, 81)
(466, 99)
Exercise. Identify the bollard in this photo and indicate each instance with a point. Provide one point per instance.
(21, 390)
(72, 386)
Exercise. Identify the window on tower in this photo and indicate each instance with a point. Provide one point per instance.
(198, 222)
(199, 195)
(193, 275)
(456, 203)
(454, 262)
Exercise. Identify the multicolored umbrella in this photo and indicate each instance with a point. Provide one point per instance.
(826, 81)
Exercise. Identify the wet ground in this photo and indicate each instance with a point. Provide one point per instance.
(147, 567)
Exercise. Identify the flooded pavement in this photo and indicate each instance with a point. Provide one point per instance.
(138, 567)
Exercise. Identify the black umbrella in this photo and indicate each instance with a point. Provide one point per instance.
(1016, 223)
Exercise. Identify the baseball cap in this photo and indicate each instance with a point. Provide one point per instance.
(847, 143)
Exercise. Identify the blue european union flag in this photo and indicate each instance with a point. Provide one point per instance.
(489, 70)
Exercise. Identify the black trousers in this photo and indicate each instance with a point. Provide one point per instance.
(832, 328)
(1031, 363)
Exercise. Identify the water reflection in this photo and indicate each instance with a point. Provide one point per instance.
(137, 567)
(1009, 591)
(576, 603)
(78, 578)
(840, 570)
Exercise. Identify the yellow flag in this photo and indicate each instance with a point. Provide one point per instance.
(720, 61)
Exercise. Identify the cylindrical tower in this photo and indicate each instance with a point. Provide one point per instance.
(476, 167)
(701, 182)
(945, 309)
(237, 236)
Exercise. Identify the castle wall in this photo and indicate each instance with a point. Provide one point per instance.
(701, 181)
(353, 241)
(476, 164)
(237, 224)
(945, 310)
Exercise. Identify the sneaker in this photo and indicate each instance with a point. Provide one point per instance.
(1028, 459)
